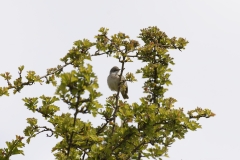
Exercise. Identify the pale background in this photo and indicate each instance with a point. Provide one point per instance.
(37, 34)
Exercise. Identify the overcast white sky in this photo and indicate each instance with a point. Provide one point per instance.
(206, 74)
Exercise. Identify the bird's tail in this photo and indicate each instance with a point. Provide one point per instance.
(124, 95)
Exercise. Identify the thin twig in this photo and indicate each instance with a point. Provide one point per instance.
(45, 129)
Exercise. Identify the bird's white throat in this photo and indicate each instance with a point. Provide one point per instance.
(114, 73)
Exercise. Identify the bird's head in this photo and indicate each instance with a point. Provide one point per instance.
(114, 70)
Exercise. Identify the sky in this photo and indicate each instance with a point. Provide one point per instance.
(38, 33)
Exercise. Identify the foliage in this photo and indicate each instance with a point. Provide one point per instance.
(147, 128)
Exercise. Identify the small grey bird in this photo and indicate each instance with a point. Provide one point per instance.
(113, 82)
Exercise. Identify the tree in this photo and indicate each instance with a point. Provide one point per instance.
(147, 128)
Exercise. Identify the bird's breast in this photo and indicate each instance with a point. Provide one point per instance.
(113, 82)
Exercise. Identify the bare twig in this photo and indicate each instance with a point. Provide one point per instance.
(44, 130)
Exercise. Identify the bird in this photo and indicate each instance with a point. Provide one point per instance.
(113, 81)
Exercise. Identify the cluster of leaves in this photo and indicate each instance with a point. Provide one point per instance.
(13, 148)
(147, 128)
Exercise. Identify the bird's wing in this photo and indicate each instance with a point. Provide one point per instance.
(125, 83)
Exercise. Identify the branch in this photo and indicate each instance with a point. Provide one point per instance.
(136, 148)
(75, 119)
(100, 129)
(117, 96)
(59, 69)
(45, 129)
(20, 86)
(71, 136)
